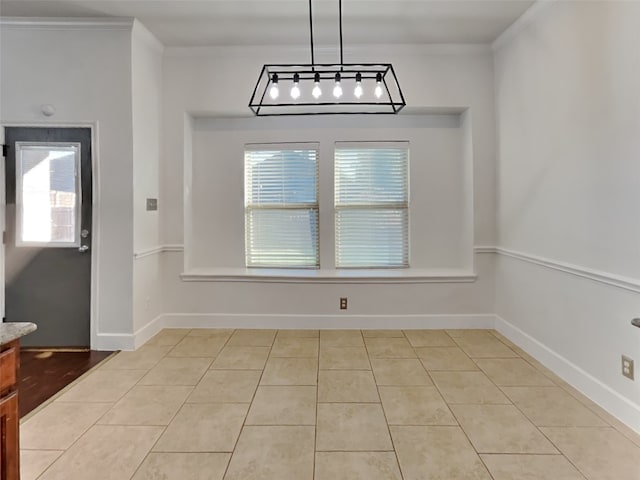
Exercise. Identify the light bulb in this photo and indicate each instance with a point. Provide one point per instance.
(316, 92)
(274, 91)
(295, 90)
(378, 90)
(337, 90)
(358, 90)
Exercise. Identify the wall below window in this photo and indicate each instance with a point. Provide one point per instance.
(274, 304)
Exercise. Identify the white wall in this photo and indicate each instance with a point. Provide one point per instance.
(146, 69)
(85, 72)
(146, 63)
(218, 82)
(568, 109)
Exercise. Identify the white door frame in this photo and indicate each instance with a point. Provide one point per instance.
(95, 201)
(3, 209)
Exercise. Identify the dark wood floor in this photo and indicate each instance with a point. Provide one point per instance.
(45, 373)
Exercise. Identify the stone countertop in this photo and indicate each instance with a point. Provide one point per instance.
(11, 331)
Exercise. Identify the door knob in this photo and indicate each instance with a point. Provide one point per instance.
(83, 248)
(636, 322)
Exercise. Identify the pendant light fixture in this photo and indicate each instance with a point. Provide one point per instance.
(323, 88)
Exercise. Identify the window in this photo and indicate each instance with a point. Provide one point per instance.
(47, 194)
(281, 205)
(372, 204)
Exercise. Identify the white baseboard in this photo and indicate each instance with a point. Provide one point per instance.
(129, 341)
(143, 334)
(227, 320)
(114, 341)
(132, 341)
(621, 407)
(124, 341)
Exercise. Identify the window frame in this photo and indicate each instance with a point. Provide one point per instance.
(304, 206)
(20, 146)
(405, 205)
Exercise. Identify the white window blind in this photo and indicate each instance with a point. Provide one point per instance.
(281, 205)
(372, 204)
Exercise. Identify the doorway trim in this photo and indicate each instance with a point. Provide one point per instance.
(94, 315)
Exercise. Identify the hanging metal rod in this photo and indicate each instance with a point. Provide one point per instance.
(311, 32)
(369, 88)
(340, 14)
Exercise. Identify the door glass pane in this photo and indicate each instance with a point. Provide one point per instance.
(47, 194)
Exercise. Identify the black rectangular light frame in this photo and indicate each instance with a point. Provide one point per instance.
(391, 102)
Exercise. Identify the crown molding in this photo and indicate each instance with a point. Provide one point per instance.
(330, 52)
(68, 23)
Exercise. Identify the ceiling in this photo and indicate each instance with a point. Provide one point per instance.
(285, 22)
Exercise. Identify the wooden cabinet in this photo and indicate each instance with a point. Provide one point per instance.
(9, 417)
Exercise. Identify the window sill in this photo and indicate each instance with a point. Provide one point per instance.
(382, 276)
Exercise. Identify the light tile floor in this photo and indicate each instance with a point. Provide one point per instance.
(325, 405)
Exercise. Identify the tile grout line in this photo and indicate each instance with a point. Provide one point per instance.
(479, 455)
(112, 357)
(315, 432)
(95, 368)
(173, 416)
(384, 412)
(560, 453)
(459, 425)
(57, 395)
(193, 387)
(551, 378)
(464, 432)
(539, 429)
(569, 389)
(235, 445)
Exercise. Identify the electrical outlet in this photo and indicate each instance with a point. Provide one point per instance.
(343, 303)
(627, 367)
